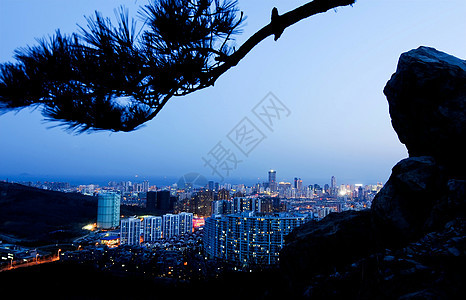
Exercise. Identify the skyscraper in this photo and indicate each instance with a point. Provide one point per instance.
(241, 204)
(186, 222)
(223, 195)
(210, 185)
(327, 189)
(333, 186)
(170, 226)
(163, 201)
(203, 203)
(273, 180)
(360, 193)
(108, 210)
(298, 184)
(145, 185)
(152, 228)
(222, 207)
(151, 201)
(130, 231)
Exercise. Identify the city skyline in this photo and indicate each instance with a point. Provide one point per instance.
(165, 181)
(329, 72)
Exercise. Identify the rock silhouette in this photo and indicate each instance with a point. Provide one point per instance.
(411, 243)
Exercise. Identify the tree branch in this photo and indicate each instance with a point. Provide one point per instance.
(77, 79)
(286, 20)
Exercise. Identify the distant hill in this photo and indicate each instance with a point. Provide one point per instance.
(36, 215)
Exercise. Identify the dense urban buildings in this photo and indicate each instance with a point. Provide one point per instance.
(133, 231)
(248, 238)
(238, 224)
(242, 204)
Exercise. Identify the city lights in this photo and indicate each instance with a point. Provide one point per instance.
(240, 224)
(90, 227)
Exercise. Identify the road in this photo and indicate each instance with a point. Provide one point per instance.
(33, 262)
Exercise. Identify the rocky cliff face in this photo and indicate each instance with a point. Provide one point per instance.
(405, 245)
(427, 102)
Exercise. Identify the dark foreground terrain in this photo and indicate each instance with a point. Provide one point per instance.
(40, 216)
(60, 280)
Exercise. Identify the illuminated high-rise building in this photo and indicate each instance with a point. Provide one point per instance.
(167, 226)
(298, 184)
(170, 226)
(130, 231)
(186, 222)
(152, 228)
(223, 194)
(333, 186)
(108, 210)
(203, 203)
(273, 181)
(327, 189)
(145, 185)
(222, 207)
(360, 192)
(241, 204)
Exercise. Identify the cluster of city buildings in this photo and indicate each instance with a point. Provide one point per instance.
(134, 231)
(242, 225)
(249, 238)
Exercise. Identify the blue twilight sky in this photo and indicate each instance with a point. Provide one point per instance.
(328, 70)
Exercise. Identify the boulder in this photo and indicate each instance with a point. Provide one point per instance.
(427, 104)
(448, 206)
(401, 209)
(320, 247)
(425, 193)
(429, 268)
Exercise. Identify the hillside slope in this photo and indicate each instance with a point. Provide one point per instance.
(32, 214)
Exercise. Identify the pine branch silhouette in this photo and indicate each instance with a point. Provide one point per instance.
(118, 77)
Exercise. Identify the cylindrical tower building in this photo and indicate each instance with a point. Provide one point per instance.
(108, 210)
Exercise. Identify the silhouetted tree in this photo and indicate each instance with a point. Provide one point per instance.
(116, 78)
